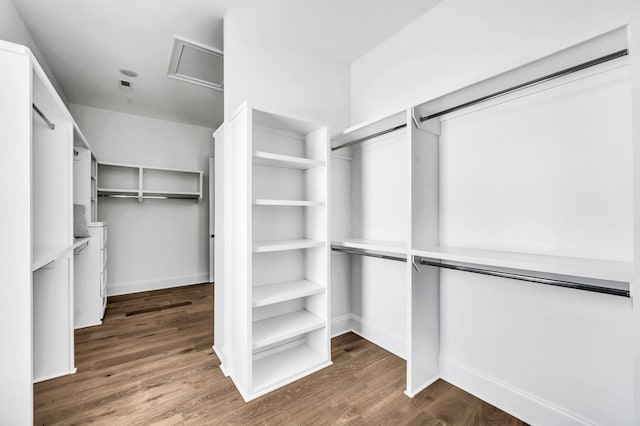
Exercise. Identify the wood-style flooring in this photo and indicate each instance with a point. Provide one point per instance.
(151, 362)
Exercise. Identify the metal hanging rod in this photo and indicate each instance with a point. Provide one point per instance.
(530, 83)
(364, 253)
(521, 86)
(375, 135)
(537, 280)
(151, 197)
(44, 117)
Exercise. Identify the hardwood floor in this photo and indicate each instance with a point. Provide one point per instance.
(151, 362)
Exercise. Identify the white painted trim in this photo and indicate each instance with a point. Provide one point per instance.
(341, 325)
(515, 401)
(55, 375)
(369, 331)
(115, 289)
(421, 388)
(221, 357)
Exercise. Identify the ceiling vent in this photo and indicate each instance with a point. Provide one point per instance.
(125, 85)
(196, 63)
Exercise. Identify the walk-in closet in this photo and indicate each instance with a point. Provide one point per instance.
(277, 212)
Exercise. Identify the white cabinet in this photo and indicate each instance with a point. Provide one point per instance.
(90, 291)
(276, 251)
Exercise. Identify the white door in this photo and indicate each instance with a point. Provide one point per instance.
(212, 217)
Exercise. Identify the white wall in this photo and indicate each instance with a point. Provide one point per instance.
(280, 78)
(13, 29)
(156, 243)
(458, 43)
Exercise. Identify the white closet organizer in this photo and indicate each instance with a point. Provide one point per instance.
(37, 262)
(145, 182)
(407, 212)
(277, 256)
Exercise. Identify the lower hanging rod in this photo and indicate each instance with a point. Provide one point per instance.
(528, 278)
(44, 117)
(364, 253)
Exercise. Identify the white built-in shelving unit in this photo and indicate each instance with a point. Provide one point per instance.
(449, 210)
(146, 182)
(276, 251)
(36, 163)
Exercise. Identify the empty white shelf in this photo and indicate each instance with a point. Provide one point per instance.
(398, 247)
(288, 161)
(282, 245)
(285, 366)
(45, 255)
(293, 203)
(282, 327)
(370, 127)
(573, 266)
(279, 292)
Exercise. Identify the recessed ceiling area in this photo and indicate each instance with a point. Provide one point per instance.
(90, 44)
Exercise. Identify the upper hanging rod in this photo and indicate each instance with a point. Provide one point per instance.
(521, 86)
(538, 280)
(364, 253)
(375, 135)
(539, 80)
(44, 117)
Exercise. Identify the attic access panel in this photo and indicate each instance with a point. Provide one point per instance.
(197, 64)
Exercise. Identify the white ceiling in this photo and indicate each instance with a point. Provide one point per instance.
(87, 42)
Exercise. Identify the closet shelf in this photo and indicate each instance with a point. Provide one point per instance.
(572, 266)
(397, 247)
(279, 292)
(370, 128)
(42, 256)
(292, 203)
(286, 161)
(275, 370)
(117, 191)
(282, 327)
(283, 245)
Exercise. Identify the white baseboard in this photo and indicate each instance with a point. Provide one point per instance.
(222, 359)
(341, 325)
(514, 401)
(114, 289)
(367, 330)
